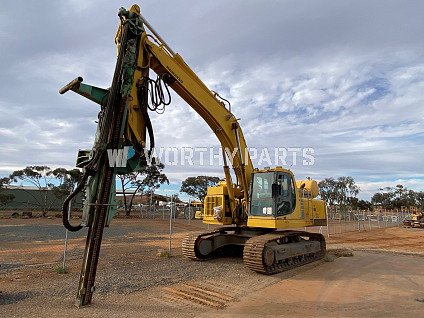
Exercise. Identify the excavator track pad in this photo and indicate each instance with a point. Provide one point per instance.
(283, 250)
(190, 245)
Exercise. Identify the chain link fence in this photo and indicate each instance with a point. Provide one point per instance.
(342, 221)
(339, 220)
(155, 212)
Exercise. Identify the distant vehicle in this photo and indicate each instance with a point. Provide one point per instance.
(194, 210)
(416, 221)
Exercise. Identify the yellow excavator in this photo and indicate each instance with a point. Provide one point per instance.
(252, 210)
(194, 210)
(416, 220)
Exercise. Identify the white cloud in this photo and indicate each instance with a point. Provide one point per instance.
(369, 188)
(341, 78)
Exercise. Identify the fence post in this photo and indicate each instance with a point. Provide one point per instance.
(150, 201)
(189, 211)
(369, 219)
(66, 238)
(170, 227)
(359, 223)
(345, 220)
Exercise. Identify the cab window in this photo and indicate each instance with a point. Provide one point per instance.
(261, 203)
(286, 199)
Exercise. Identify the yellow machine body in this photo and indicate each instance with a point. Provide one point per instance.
(306, 209)
(417, 219)
(217, 208)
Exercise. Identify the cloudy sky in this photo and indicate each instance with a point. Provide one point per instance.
(345, 78)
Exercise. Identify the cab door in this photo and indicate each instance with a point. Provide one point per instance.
(285, 194)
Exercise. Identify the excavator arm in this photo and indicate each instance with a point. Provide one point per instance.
(222, 122)
(152, 53)
(156, 55)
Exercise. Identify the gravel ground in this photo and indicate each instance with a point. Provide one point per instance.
(129, 263)
(133, 280)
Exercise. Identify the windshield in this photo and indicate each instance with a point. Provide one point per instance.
(261, 202)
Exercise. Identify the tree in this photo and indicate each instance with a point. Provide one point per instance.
(144, 181)
(68, 180)
(197, 186)
(397, 197)
(356, 204)
(420, 199)
(40, 177)
(5, 198)
(346, 190)
(383, 199)
(327, 190)
(341, 191)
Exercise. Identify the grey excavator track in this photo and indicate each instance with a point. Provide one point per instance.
(257, 248)
(190, 244)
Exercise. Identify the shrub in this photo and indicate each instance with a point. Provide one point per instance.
(164, 253)
(61, 270)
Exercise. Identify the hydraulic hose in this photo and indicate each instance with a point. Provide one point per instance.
(141, 92)
(65, 206)
(90, 169)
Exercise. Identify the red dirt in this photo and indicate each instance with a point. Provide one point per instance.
(382, 278)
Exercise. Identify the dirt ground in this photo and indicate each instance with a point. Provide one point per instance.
(382, 278)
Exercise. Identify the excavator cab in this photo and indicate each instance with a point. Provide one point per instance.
(277, 201)
(273, 193)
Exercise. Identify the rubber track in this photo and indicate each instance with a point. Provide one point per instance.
(252, 255)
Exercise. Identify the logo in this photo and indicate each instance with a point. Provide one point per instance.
(175, 75)
(119, 157)
(259, 156)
